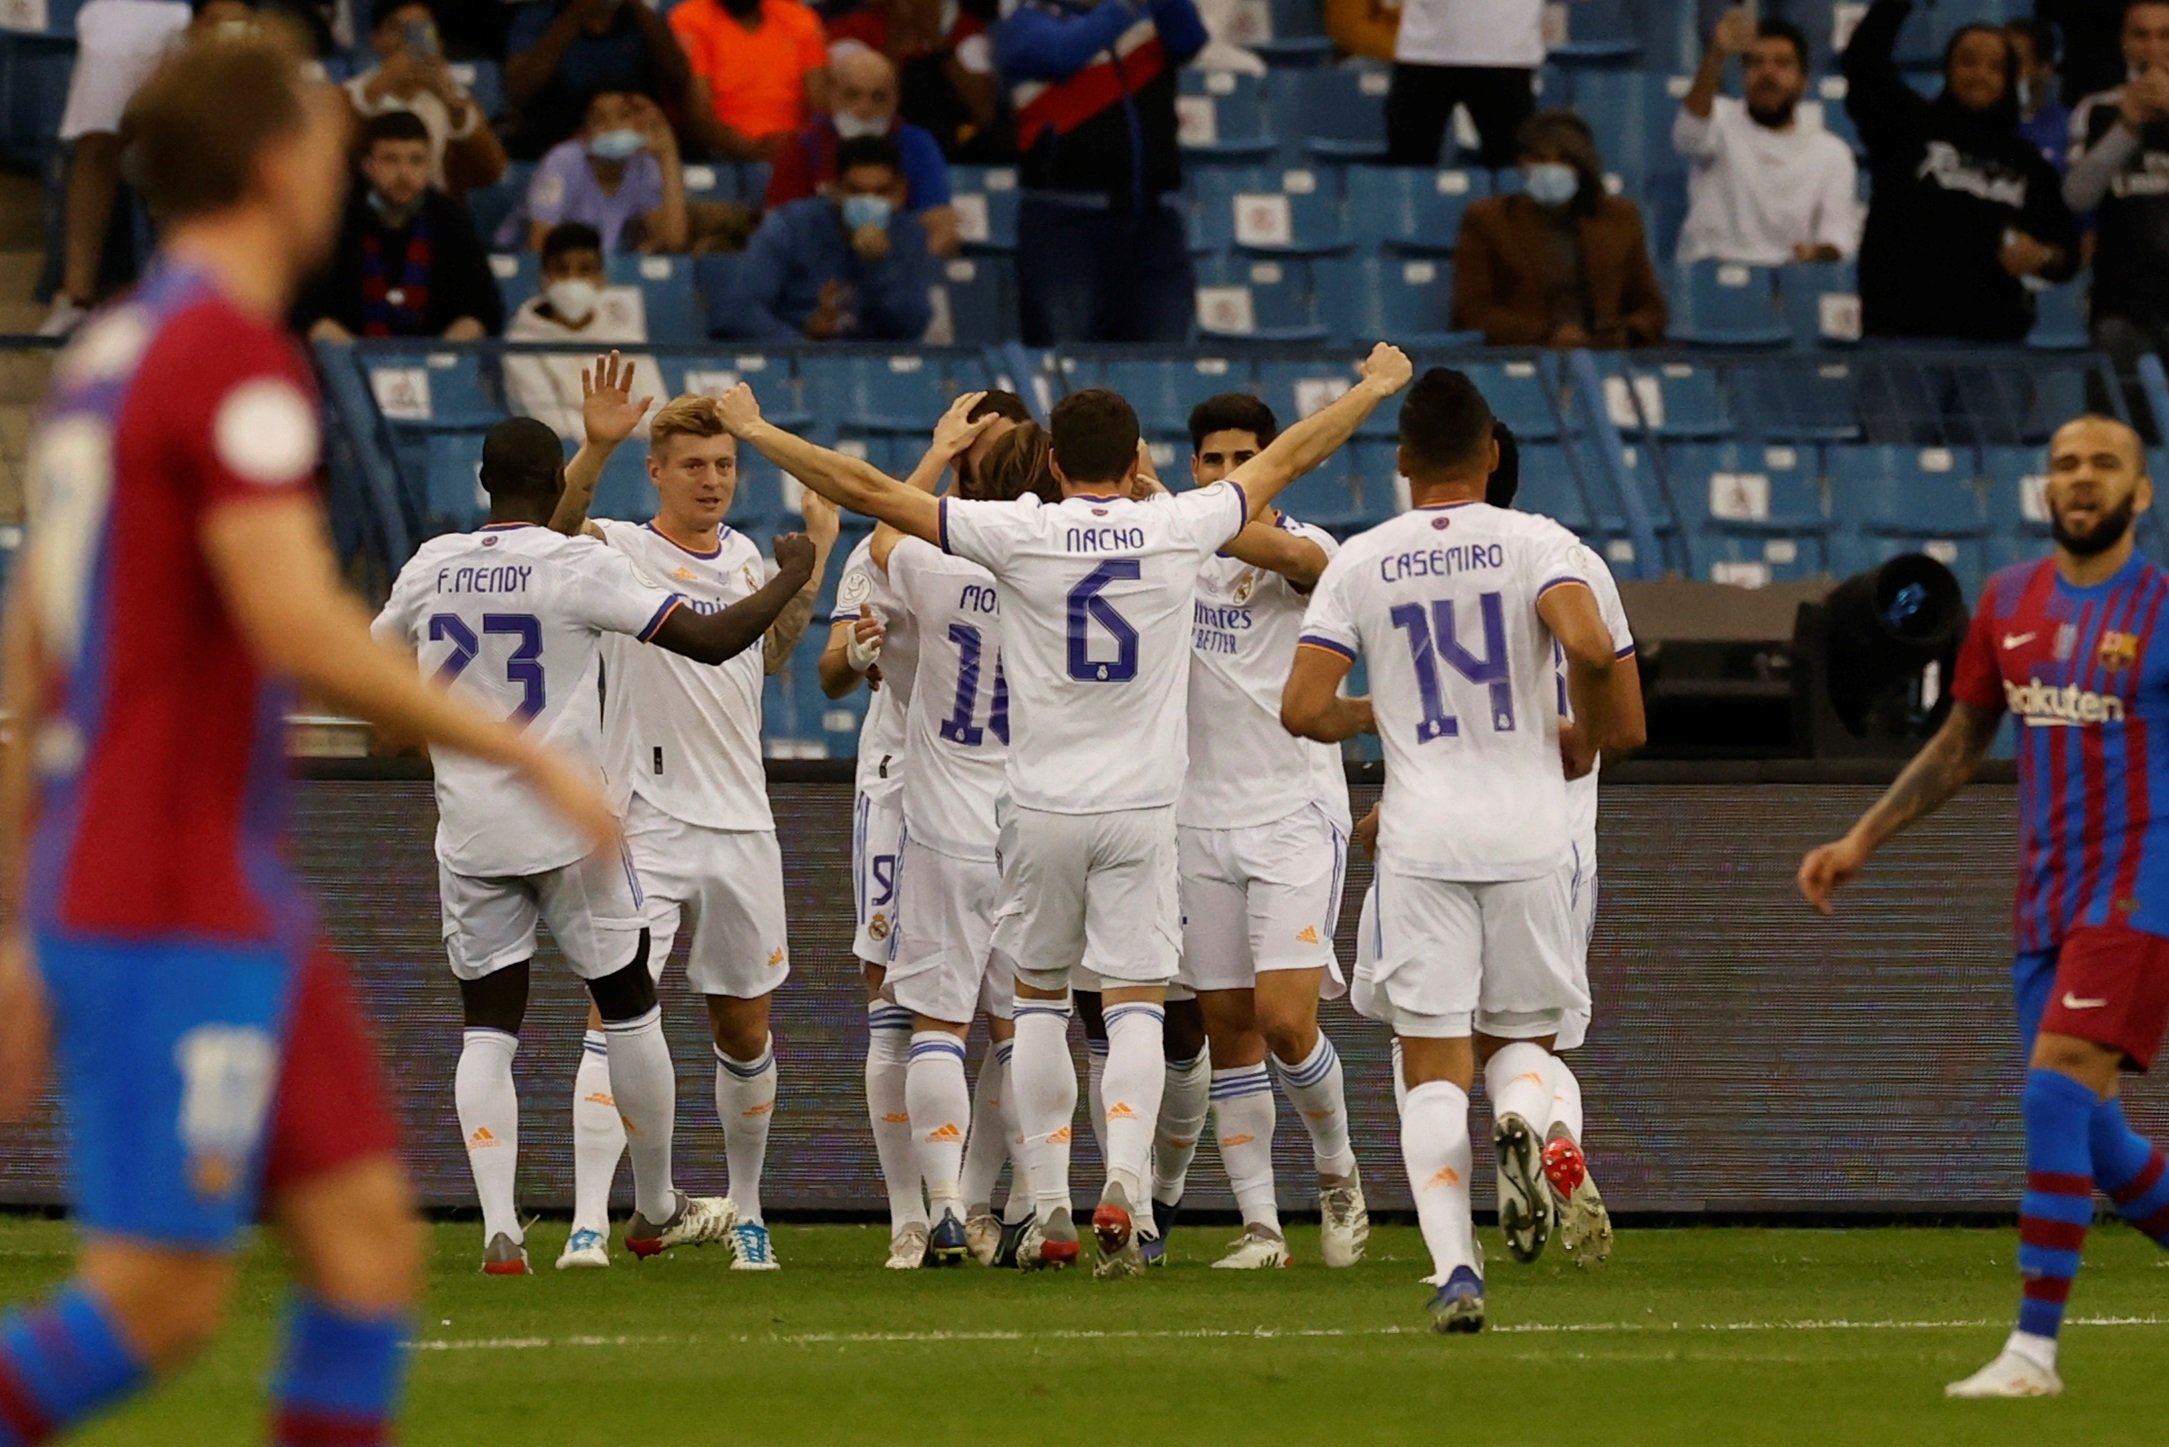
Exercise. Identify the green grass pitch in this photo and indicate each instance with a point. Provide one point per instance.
(1688, 1337)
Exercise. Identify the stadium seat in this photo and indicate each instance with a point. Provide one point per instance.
(1667, 399)
(1256, 299)
(1406, 209)
(1821, 302)
(980, 293)
(1852, 553)
(519, 276)
(1552, 485)
(1520, 396)
(1723, 304)
(1294, 390)
(492, 205)
(1752, 561)
(1408, 300)
(666, 285)
(53, 18)
(715, 276)
(624, 490)
(1286, 32)
(431, 388)
(1223, 116)
(1337, 113)
(1631, 112)
(1291, 211)
(34, 72)
(713, 374)
(2017, 505)
(985, 198)
(878, 391)
(1598, 32)
(452, 487)
(1890, 500)
(485, 81)
(2060, 321)
(1795, 399)
(1162, 390)
(1327, 497)
(1742, 488)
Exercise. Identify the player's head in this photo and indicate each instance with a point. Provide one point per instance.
(396, 161)
(523, 470)
(1504, 484)
(1446, 433)
(1014, 466)
(1008, 411)
(693, 463)
(1226, 431)
(1095, 442)
(2097, 484)
(231, 130)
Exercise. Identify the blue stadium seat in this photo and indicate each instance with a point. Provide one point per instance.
(492, 205)
(2060, 321)
(1668, 399)
(1890, 500)
(879, 391)
(1793, 399)
(1407, 209)
(2017, 509)
(985, 198)
(1821, 303)
(1826, 103)
(1753, 561)
(1374, 482)
(1551, 486)
(712, 374)
(453, 482)
(1291, 211)
(1852, 553)
(1631, 112)
(1671, 34)
(34, 73)
(1408, 300)
(1296, 389)
(982, 299)
(1735, 487)
(1520, 396)
(434, 389)
(1333, 114)
(59, 20)
(624, 490)
(1256, 299)
(1327, 497)
(1224, 116)
(1294, 34)
(666, 284)
(715, 277)
(1598, 32)
(1163, 390)
(519, 276)
(1723, 304)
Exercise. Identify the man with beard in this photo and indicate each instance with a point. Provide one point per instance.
(1767, 188)
(2066, 644)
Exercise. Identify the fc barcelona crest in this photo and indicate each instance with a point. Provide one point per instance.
(2118, 650)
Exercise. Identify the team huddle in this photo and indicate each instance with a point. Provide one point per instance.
(1099, 775)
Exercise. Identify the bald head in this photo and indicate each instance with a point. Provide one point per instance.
(862, 87)
(2097, 484)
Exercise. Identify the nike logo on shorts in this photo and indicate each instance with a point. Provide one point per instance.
(2073, 1002)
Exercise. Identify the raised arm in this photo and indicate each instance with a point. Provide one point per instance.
(822, 525)
(1266, 545)
(849, 482)
(608, 415)
(1882, 105)
(718, 637)
(1311, 441)
(1569, 610)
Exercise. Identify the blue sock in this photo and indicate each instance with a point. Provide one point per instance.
(60, 1362)
(2132, 1171)
(338, 1385)
(2059, 1202)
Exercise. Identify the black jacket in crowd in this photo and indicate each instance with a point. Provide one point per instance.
(2131, 217)
(456, 276)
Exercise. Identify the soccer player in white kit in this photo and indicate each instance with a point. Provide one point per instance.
(682, 747)
(1454, 607)
(1097, 595)
(1262, 844)
(515, 617)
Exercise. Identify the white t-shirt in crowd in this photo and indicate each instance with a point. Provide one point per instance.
(1503, 33)
(118, 43)
(1753, 193)
(548, 388)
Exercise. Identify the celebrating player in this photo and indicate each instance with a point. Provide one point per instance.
(1096, 602)
(682, 747)
(179, 585)
(1455, 608)
(514, 617)
(2065, 645)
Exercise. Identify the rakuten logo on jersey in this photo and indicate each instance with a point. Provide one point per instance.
(2039, 704)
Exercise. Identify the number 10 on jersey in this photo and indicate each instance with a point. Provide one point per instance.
(1433, 639)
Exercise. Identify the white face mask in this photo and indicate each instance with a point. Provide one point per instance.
(851, 128)
(573, 299)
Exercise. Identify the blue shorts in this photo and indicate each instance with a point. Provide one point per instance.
(169, 1061)
(2033, 981)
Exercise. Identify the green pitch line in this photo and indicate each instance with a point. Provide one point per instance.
(1731, 1336)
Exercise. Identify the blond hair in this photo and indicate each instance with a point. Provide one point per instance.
(692, 415)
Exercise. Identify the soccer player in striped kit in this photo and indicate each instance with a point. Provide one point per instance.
(2066, 644)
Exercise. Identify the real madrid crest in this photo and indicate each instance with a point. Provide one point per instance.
(1246, 585)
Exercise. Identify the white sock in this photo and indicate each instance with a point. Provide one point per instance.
(745, 1101)
(1400, 1086)
(1435, 1148)
(941, 1113)
(1243, 1119)
(1316, 1090)
(489, 1120)
(888, 1052)
(1566, 1098)
(598, 1136)
(1043, 1079)
(1182, 1120)
(1095, 1093)
(986, 1145)
(2040, 1350)
(645, 1086)
(1021, 1202)
(1518, 1079)
(1136, 1081)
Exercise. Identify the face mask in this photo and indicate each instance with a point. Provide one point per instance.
(850, 128)
(621, 144)
(866, 211)
(1550, 183)
(573, 299)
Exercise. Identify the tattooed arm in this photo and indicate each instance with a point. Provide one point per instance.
(822, 524)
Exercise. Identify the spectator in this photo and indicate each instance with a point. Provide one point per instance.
(410, 75)
(1765, 189)
(850, 264)
(757, 72)
(2120, 172)
(117, 44)
(562, 55)
(407, 262)
(1482, 54)
(620, 175)
(945, 64)
(2092, 31)
(575, 309)
(1563, 264)
(862, 89)
(2043, 118)
(1101, 251)
(1963, 208)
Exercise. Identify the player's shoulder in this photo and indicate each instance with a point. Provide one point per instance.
(1310, 532)
(2008, 585)
(199, 344)
(734, 550)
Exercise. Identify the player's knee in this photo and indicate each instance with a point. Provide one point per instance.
(739, 1027)
(1290, 1031)
(625, 994)
(166, 1305)
(2085, 1061)
(497, 1001)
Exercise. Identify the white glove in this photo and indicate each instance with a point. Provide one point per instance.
(862, 654)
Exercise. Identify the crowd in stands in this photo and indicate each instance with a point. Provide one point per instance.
(2040, 151)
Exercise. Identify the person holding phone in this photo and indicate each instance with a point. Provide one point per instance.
(411, 75)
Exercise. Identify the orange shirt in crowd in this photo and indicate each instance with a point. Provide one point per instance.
(756, 77)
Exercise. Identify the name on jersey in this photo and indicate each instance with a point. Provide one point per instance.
(2046, 705)
(1104, 540)
(484, 578)
(1215, 628)
(977, 598)
(1441, 562)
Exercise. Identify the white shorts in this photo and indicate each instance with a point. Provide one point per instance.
(877, 838)
(592, 908)
(942, 965)
(118, 44)
(727, 886)
(1453, 959)
(1261, 899)
(1102, 884)
(1582, 887)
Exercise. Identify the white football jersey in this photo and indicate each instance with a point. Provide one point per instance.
(1582, 792)
(957, 729)
(686, 736)
(1245, 768)
(513, 617)
(1096, 601)
(880, 773)
(1440, 604)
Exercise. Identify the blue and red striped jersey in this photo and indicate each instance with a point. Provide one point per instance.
(2078, 669)
(160, 746)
